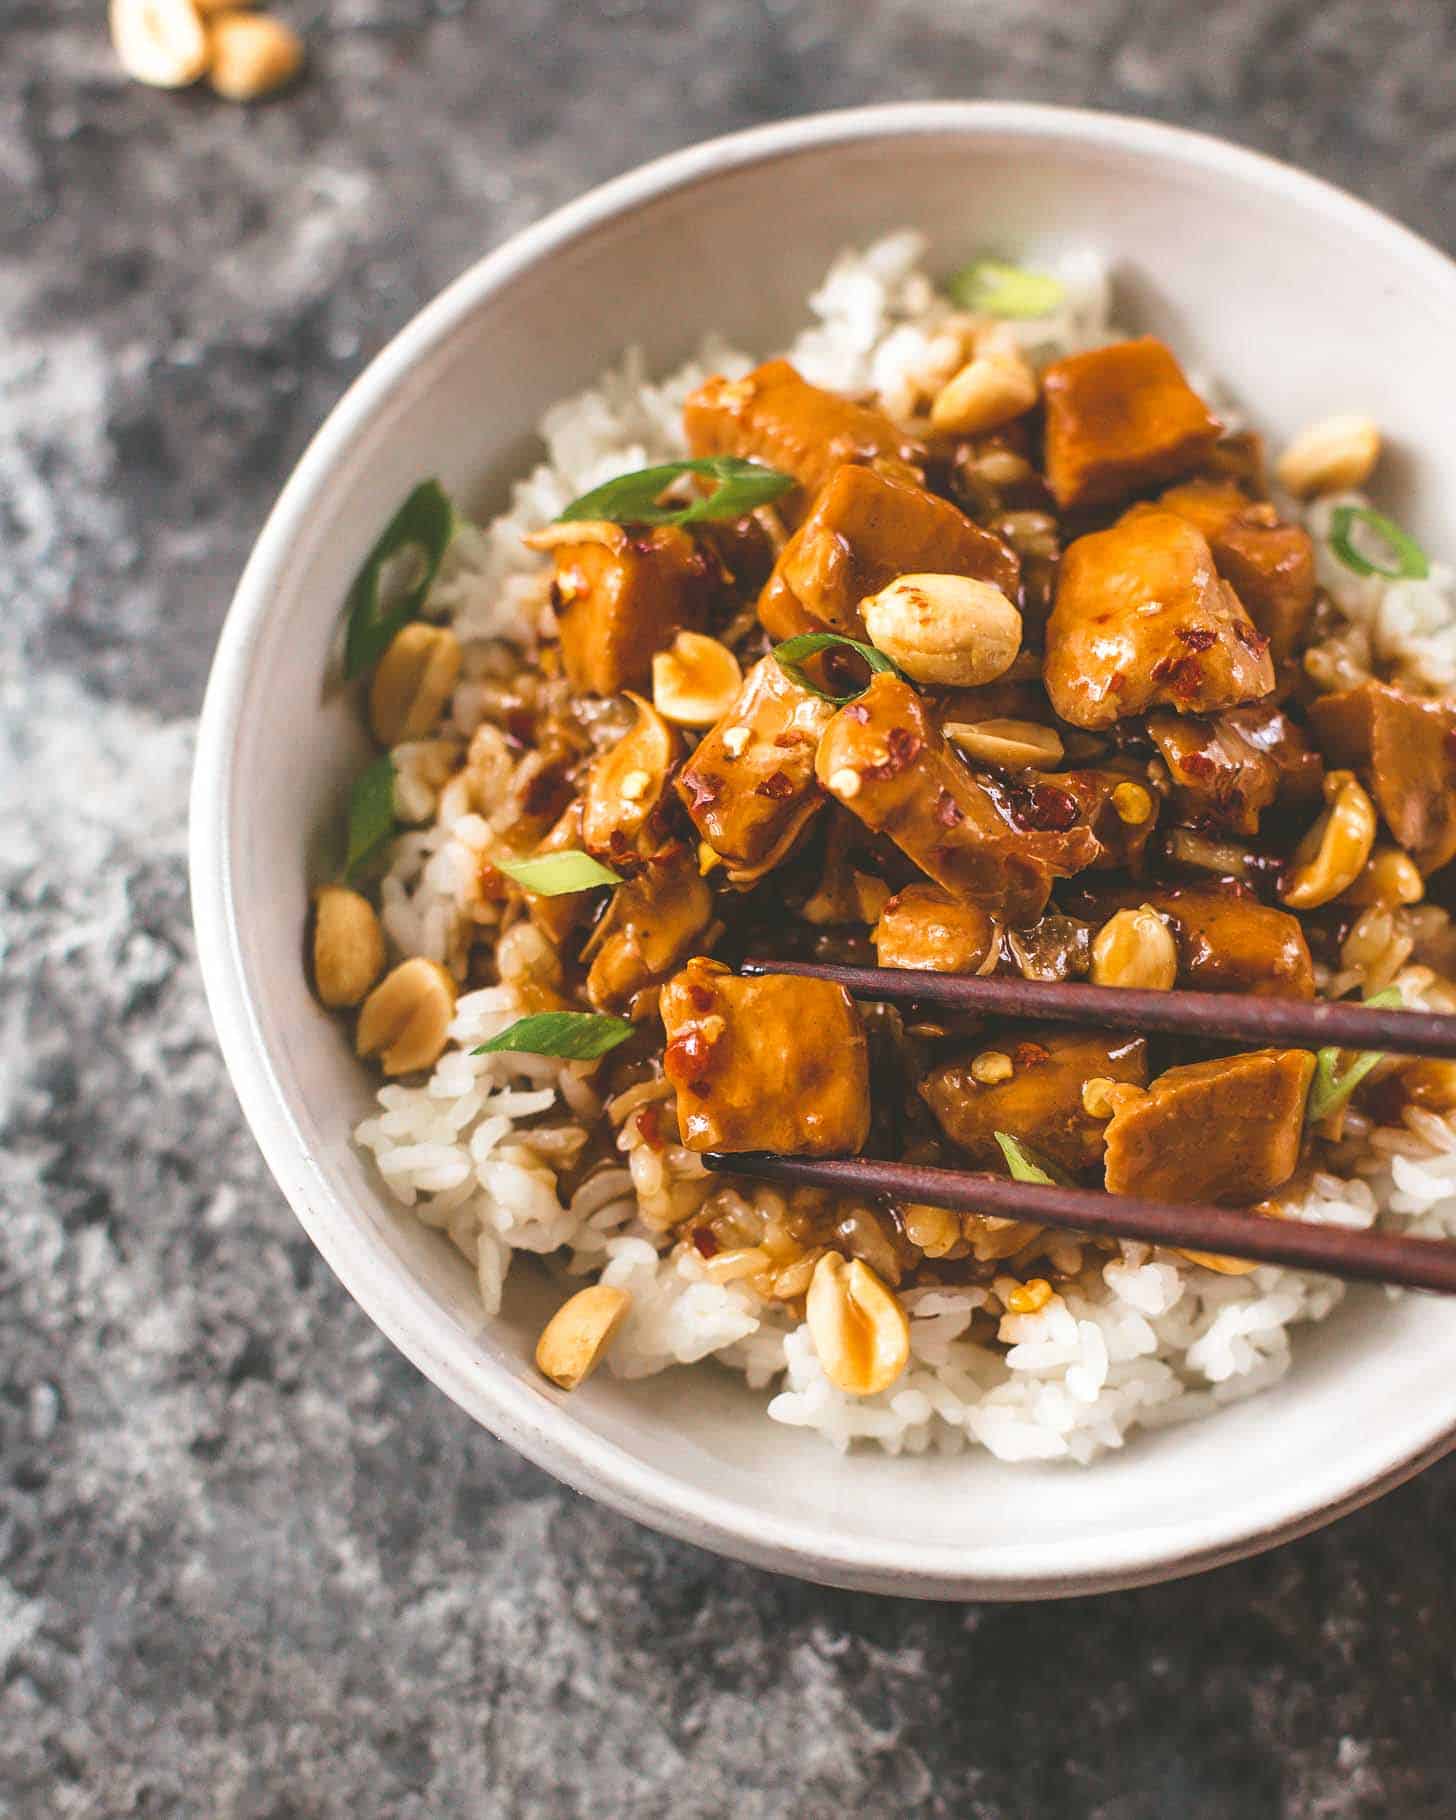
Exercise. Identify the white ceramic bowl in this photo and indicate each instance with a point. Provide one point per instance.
(1303, 299)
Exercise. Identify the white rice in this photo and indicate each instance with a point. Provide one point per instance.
(1143, 1338)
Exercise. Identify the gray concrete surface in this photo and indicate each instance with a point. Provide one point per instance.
(250, 1564)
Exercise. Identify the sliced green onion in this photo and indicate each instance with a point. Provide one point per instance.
(577, 1036)
(371, 814)
(990, 287)
(558, 874)
(414, 541)
(1331, 1086)
(634, 499)
(1028, 1165)
(790, 656)
(1411, 561)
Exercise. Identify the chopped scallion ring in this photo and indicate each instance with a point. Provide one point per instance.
(790, 656)
(1411, 561)
(409, 552)
(635, 499)
(990, 287)
(575, 1036)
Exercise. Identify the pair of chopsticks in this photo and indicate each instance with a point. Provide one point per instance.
(1375, 1257)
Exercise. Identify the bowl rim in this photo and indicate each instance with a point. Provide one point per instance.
(543, 1430)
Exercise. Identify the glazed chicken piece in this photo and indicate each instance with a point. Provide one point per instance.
(997, 848)
(750, 785)
(1040, 1099)
(1226, 1131)
(863, 530)
(652, 923)
(1226, 942)
(1405, 748)
(765, 1064)
(1267, 563)
(925, 928)
(1228, 768)
(621, 595)
(1119, 419)
(1142, 620)
(775, 416)
(623, 817)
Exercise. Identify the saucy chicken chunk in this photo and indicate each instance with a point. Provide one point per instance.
(774, 1063)
(885, 759)
(620, 596)
(652, 923)
(1142, 620)
(775, 416)
(750, 786)
(1119, 419)
(1038, 1097)
(928, 930)
(1228, 768)
(1406, 748)
(863, 530)
(1226, 1131)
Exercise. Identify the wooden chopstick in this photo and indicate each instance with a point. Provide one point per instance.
(1300, 1023)
(1341, 1251)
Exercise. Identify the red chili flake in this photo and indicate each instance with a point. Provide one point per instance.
(1117, 682)
(948, 811)
(1042, 807)
(1249, 638)
(793, 738)
(703, 787)
(649, 1127)
(1199, 638)
(1164, 668)
(858, 712)
(1197, 764)
(1030, 1055)
(704, 1243)
(776, 786)
(541, 794)
(686, 1057)
(902, 748)
(700, 998)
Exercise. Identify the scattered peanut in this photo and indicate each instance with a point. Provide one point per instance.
(944, 628)
(413, 682)
(992, 1066)
(1390, 877)
(573, 1340)
(1333, 853)
(1330, 456)
(253, 55)
(159, 42)
(934, 1229)
(405, 1020)
(858, 1327)
(1102, 1097)
(1134, 948)
(991, 389)
(1132, 803)
(1030, 1298)
(695, 681)
(348, 946)
(1013, 745)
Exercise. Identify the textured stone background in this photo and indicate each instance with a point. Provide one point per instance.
(250, 1564)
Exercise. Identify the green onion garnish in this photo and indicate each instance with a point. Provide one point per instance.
(558, 874)
(1027, 1165)
(790, 656)
(577, 1036)
(1411, 561)
(371, 814)
(634, 499)
(990, 287)
(1331, 1087)
(397, 574)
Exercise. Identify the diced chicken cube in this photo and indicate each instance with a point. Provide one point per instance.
(774, 1063)
(1269, 564)
(863, 530)
(1406, 748)
(1040, 1100)
(925, 928)
(652, 923)
(1228, 768)
(992, 845)
(622, 595)
(750, 785)
(775, 416)
(1226, 1131)
(1120, 419)
(1142, 620)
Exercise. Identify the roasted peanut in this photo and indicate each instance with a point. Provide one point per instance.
(1013, 745)
(992, 388)
(405, 1020)
(253, 55)
(348, 946)
(1330, 456)
(1390, 877)
(934, 1229)
(944, 628)
(573, 1340)
(1132, 803)
(992, 1066)
(1134, 948)
(1102, 1097)
(695, 681)
(1333, 853)
(159, 42)
(858, 1327)
(413, 682)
